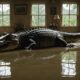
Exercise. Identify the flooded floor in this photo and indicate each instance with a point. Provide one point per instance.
(45, 64)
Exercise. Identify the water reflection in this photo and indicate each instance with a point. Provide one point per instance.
(47, 57)
(69, 64)
(5, 69)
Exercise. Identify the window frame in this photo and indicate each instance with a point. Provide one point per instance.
(9, 15)
(38, 14)
(69, 25)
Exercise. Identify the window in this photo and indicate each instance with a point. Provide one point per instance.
(38, 15)
(4, 15)
(5, 69)
(69, 15)
(69, 64)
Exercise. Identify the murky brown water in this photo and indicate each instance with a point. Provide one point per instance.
(45, 64)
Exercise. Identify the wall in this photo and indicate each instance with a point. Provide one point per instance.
(26, 19)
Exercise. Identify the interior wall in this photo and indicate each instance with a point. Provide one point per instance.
(26, 19)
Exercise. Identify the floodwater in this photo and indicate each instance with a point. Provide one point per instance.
(44, 64)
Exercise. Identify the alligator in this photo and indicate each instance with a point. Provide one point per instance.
(36, 39)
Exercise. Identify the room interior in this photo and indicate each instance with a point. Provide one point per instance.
(54, 63)
(25, 18)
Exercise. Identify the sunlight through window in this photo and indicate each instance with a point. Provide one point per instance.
(69, 15)
(4, 15)
(38, 15)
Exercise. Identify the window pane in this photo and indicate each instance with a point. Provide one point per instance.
(65, 20)
(6, 20)
(6, 9)
(73, 20)
(73, 8)
(65, 9)
(42, 9)
(41, 20)
(0, 20)
(0, 9)
(34, 9)
(34, 20)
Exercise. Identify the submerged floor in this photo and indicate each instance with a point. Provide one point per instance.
(45, 64)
